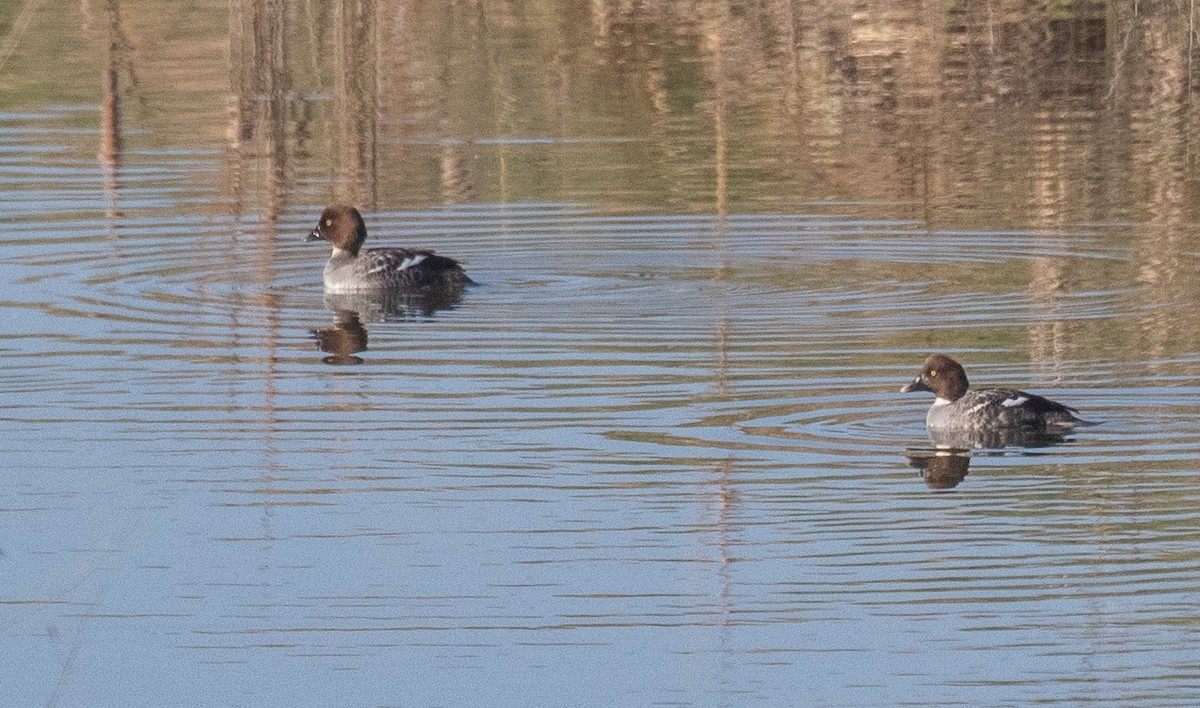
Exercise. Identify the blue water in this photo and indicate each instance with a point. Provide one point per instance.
(654, 458)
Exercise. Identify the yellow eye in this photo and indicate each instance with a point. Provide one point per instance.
(933, 373)
(329, 222)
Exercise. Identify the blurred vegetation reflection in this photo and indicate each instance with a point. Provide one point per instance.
(1022, 112)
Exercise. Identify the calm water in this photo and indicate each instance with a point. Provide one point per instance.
(659, 455)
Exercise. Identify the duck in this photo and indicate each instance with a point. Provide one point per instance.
(354, 269)
(956, 408)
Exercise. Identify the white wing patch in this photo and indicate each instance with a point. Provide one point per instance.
(387, 263)
(412, 261)
(1010, 402)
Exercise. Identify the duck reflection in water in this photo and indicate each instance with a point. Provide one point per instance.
(393, 304)
(945, 464)
(348, 335)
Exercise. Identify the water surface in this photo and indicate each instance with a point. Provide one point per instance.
(659, 455)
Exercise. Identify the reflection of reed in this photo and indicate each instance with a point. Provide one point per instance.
(1154, 85)
(710, 47)
(721, 369)
(1048, 282)
(118, 61)
(356, 87)
(261, 82)
(727, 501)
(458, 184)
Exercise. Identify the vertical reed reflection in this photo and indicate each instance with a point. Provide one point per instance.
(1064, 127)
(1155, 83)
(118, 59)
(726, 523)
(260, 77)
(356, 85)
(715, 19)
(257, 142)
(456, 179)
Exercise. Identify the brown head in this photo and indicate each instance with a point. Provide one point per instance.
(342, 226)
(942, 376)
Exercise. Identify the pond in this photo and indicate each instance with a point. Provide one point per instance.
(658, 455)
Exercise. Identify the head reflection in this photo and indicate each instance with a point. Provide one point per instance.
(348, 335)
(343, 340)
(941, 469)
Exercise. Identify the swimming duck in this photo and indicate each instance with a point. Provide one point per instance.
(351, 268)
(957, 408)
